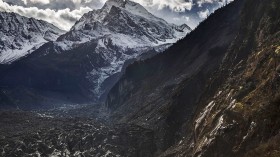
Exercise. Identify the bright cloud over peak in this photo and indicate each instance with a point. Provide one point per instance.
(64, 13)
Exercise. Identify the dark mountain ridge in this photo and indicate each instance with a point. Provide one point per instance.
(212, 65)
(154, 92)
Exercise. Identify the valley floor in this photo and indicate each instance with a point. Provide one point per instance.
(26, 134)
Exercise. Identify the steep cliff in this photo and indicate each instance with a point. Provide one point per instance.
(214, 93)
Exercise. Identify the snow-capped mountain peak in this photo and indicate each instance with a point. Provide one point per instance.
(132, 7)
(129, 6)
(21, 35)
(124, 19)
(123, 30)
(95, 52)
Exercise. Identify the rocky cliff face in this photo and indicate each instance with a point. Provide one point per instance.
(162, 92)
(214, 93)
(21, 36)
(84, 63)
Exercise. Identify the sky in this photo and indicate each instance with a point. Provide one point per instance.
(64, 13)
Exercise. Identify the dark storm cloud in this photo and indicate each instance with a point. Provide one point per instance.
(41, 15)
(66, 17)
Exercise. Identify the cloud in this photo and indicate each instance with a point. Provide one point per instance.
(179, 5)
(39, 1)
(58, 4)
(182, 19)
(64, 13)
(174, 5)
(203, 14)
(221, 2)
(64, 18)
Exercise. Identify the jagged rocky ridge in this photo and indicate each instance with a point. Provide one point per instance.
(84, 63)
(215, 92)
(21, 36)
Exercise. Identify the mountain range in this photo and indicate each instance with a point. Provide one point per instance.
(213, 93)
(84, 63)
(21, 36)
